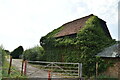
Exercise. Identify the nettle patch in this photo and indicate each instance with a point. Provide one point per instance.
(83, 47)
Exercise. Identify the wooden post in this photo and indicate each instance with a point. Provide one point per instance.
(9, 70)
(25, 67)
(22, 68)
(96, 69)
(51, 71)
(80, 70)
(49, 75)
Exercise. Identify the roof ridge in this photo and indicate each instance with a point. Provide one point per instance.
(78, 19)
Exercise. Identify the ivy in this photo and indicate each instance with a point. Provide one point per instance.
(54, 32)
(89, 41)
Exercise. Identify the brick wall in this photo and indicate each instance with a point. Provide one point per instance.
(113, 71)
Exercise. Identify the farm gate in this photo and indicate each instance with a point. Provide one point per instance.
(60, 69)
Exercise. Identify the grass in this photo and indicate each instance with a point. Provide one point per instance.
(106, 77)
(0, 72)
(14, 72)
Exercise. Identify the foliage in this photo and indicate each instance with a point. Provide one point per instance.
(35, 53)
(17, 52)
(50, 36)
(54, 32)
(14, 72)
(106, 77)
(2, 55)
(1, 59)
(89, 41)
(7, 52)
(5, 65)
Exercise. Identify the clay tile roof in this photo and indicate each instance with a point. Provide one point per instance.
(73, 26)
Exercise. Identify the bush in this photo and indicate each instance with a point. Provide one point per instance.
(17, 52)
(35, 53)
(2, 60)
(2, 55)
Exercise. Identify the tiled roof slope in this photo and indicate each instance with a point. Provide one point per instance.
(75, 25)
(72, 27)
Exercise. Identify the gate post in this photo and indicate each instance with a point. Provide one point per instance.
(80, 70)
(49, 75)
(9, 70)
(96, 69)
(25, 67)
(22, 67)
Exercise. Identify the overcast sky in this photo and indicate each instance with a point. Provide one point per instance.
(24, 22)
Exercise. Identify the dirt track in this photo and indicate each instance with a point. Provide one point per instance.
(32, 72)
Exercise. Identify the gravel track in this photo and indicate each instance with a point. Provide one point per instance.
(32, 72)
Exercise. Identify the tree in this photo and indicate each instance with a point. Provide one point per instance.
(35, 53)
(7, 52)
(17, 52)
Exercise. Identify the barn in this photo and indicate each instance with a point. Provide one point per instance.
(78, 41)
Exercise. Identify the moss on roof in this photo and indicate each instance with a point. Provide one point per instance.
(75, 26)
(54, 32)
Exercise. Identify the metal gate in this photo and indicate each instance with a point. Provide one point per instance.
(61, 69)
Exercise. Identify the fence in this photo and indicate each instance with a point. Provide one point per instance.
(61, 69)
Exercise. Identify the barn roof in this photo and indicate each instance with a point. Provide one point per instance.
(73, 26)
(112, 51)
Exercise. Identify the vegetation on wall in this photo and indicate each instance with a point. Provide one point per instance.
(90, 40)
(55, 31)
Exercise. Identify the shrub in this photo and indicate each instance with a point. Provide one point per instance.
(35, 53)
(2, 55)
(17, 52)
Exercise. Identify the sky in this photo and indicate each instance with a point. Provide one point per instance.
(24, 22)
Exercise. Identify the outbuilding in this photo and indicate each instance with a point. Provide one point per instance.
(112, 54)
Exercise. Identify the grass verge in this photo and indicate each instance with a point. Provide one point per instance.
(14, 72)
